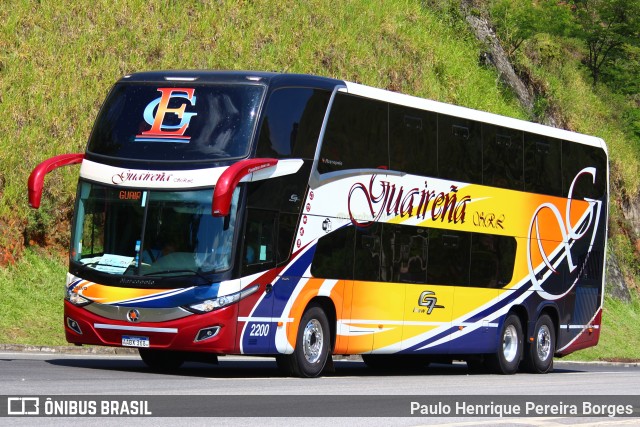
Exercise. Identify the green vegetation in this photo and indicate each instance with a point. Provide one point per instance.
(31, 299)
(59, 58)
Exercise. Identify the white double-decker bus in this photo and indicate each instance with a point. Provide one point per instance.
(304, 217)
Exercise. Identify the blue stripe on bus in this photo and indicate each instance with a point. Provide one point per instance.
(275, 304)
(294, 274)
(417, 348)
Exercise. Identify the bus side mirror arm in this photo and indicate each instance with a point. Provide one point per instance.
(36, 179)
(229, 180)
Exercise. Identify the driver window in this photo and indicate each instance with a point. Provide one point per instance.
(259, 241)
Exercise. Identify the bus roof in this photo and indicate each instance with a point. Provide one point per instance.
(260, 77)
(471, 114)
(275, 80)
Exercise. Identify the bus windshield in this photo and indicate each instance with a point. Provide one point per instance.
(151, 233)
(177, 123)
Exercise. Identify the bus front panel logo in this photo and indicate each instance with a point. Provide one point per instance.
(160, 130)
(428, 299)
(133, 316)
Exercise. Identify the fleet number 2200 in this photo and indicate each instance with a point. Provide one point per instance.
(259, 330)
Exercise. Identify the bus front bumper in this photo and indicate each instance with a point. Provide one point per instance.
(212, 332)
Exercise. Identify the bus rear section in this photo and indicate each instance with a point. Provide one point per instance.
(471, 236)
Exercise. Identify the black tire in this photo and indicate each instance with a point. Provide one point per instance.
(538, 357)
(507, 359)
(161, 360)
(312, 346)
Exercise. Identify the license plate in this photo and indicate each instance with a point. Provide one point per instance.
(128, 341)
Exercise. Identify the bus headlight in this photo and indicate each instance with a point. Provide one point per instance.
(223, 301)
(76, 299)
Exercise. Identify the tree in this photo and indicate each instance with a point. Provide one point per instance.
(606, 26)
(517, 21)
(623, 71)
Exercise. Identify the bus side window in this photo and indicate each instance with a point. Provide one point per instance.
(492, 260)
(333, 258)
(356, 136)
(459, 149)
(542, 167)
(449, 257)
(502, 157)
(259, 241)
(405, 253)
(413, 145)
(367, 253)
(292, 123)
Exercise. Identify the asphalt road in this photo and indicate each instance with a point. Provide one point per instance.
(255, 382)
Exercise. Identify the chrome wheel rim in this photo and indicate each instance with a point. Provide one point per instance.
(312, 340)
(543, 343)
(510, 343)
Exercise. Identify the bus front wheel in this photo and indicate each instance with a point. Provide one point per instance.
(312, 346)
(539, 357)
(507, 359)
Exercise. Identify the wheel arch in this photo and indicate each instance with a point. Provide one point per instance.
(548, 308)
(522, 314)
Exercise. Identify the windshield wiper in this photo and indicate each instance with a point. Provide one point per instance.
(195, 272)
(93, 265)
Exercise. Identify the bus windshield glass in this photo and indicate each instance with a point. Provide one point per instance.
(177, 123)
(151, 233)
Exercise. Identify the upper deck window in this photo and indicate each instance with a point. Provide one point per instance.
(169, 122)
(357, 135)
(292, 120)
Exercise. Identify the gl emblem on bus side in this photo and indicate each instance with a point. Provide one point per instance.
(429, 300)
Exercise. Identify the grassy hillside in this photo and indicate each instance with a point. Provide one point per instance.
(31, 299)
(59, 58)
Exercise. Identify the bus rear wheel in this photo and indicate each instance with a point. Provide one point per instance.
(312, 346)
(507, 359)
(539, 356)
(161, 360)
